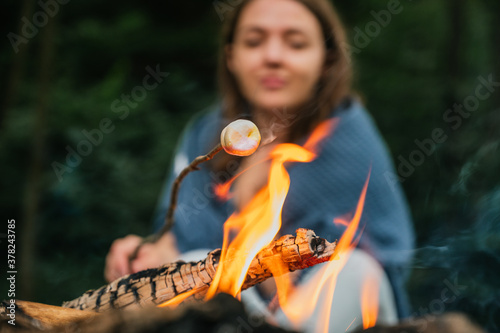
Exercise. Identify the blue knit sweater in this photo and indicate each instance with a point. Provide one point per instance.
(326, 188)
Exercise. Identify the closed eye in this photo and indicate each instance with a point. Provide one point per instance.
(298, 45)
(252, 42)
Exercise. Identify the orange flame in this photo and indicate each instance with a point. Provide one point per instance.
(320, 133)
(177, 299)
(249, 231)
(222, 190)
(343, 220)
(301, 309)
(257, 224)
(283, 281)
(369, 301)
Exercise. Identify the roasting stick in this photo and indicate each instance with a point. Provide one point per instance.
(239, 138)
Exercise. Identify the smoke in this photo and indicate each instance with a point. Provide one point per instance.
(467, 258)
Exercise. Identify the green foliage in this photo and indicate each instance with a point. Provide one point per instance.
(408, 75)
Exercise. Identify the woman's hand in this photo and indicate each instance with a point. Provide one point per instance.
(117, 260)
(150, 255)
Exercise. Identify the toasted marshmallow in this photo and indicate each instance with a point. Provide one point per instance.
(240, 138)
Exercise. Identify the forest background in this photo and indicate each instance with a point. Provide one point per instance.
(429, 73)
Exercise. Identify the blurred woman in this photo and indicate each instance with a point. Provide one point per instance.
(284, 65)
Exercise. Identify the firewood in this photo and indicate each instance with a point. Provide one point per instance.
(42, 316)
(223, 313)
(158, 285)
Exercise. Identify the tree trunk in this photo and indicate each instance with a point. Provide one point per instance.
(34, 181)
(18, 65)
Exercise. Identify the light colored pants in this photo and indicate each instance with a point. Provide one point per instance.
(345, 314)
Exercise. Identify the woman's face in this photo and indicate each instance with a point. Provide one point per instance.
(278, 54)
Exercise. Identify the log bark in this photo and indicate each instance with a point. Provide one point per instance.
(156, 286)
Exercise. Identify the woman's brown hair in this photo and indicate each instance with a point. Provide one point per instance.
(333, 86)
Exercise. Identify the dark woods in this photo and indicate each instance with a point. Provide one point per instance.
(95, 95)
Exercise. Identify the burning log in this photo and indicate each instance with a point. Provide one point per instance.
(223, 313)
(158, 285)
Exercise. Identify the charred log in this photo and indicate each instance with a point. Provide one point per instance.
(156, 286)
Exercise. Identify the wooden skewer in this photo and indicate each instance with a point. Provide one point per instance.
(240, 138)
(169, 217)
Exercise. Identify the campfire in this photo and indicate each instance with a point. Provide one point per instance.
(177, 282)
(252, 252)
